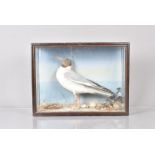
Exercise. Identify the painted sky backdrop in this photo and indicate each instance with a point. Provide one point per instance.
(104, 65)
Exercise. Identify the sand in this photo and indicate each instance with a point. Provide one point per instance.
(91, 107)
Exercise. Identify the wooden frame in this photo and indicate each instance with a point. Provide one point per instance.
(124, 45)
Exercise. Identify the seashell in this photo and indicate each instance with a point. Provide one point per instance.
(83, 106)
(92, 105)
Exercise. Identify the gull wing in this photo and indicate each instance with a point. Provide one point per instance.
(77, 78)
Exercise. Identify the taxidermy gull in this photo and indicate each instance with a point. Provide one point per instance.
(77, 84)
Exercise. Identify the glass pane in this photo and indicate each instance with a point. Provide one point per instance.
(80, 79)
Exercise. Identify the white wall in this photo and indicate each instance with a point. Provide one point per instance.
(15, 59)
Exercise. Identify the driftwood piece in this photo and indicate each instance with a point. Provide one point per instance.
(53, 106)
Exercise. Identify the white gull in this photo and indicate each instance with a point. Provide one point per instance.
(76, 83)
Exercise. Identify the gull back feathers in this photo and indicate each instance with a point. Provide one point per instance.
(78, 79)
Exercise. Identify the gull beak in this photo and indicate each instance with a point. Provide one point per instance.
(59, 58)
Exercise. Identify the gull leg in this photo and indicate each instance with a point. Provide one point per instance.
(77, 100)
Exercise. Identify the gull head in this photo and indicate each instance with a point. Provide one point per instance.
(65, 62)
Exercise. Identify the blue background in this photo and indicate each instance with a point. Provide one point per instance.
(104, 65)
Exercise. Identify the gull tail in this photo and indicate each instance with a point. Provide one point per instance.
(103, 90)
(106, 92)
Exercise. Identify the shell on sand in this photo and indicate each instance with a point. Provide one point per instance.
(84, 106)
(92, 105)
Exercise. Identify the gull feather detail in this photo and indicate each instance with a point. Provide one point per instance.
(80, 80)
